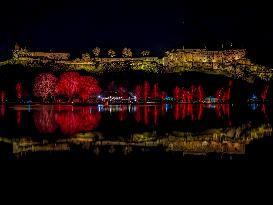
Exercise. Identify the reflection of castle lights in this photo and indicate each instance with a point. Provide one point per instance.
(100, 108)
(253, 106)
(167, 106)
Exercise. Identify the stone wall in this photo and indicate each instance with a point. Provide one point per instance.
(182, 57)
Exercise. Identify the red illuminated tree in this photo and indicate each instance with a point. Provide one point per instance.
(139, 92)
(156, 91)
(44, 85)
(176, 93)
(69, 85)
(264, 93)
(220, 94)
(2, 96)
(111, 86)
(122, 92)
(89, 86)
(146, 89)
(200, 93)
(19, 90)
(163, 95)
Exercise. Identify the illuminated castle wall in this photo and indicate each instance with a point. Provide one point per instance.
(232, 63)
(205, 58)
(180, 57)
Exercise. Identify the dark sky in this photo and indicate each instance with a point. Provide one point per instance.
(78, 26)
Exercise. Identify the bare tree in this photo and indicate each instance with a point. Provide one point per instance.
(111, 53)
(145, 53)
(96, 51)
(127, 52)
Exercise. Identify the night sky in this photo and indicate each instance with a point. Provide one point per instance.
(78, 26)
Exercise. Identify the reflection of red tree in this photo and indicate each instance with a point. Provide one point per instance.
(122, 114)
(44, 121)
(184, 111)
(264, 111)
(89, 121)
(72, 122)
(138, 115)
(3, 110)
(163, 112)
(218, 110)
(200, 112)
(176, 111)
(155, 115)
(146, 115)
(18, 117)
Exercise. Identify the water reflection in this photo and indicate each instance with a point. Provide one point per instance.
(2, 110)
(187, 128)
(232, 141)
(45, 121)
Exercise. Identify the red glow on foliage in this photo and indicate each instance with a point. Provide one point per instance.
(122, 92)
(163, 95)
(155, 92)
(264, 93)
(69, 84)
(3, 109)
(193, 94)
(176, 93)
(45, 85)
(139, 92)
(89, 86)
(111, 86)
(19, 90)
(3, 96)
(200, 93)
(146, 91)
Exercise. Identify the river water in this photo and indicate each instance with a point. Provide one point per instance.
(180, 131)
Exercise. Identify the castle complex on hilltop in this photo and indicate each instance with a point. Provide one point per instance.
(179, 57)
(232, 62)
